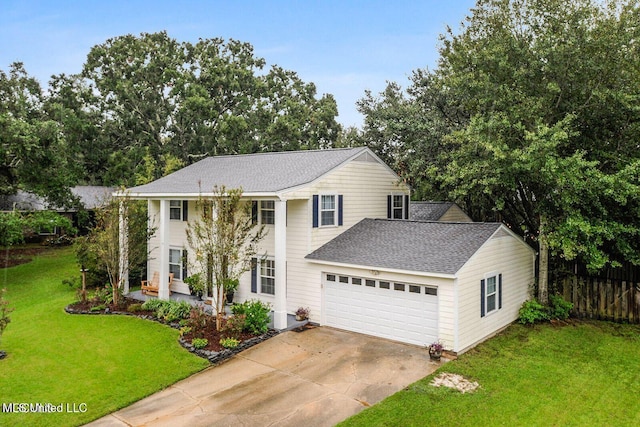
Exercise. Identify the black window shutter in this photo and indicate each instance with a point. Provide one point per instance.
(185, 210)
(340, 200)
(499, 291)
(184, 264)
(254, 275)
(254, 212)
(482, 295)
(315, 210)
(406, 206)
(389, 202)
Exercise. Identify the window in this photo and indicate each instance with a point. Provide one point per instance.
(267, 212)
(343, 279)
(491, 294)
(327, 210)
(384, 285)
(268, 276)
(431, 291)
(356, 281)
(397, 209)
(398, 286)
(370, 283)
(414, 289)
(331, 277)
(175, 263)
(175, 209)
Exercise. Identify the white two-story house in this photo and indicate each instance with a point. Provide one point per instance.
(307, 200)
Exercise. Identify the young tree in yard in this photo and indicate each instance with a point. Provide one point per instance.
(223, 239)
(104, 240)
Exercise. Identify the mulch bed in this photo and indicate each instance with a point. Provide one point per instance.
(10, 257)
(213, 352)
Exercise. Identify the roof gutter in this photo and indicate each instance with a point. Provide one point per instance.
(383, 269)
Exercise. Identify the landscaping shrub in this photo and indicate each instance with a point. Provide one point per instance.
(177, 310)
(234, 326)
(559, 308)
(531, 312)
(257, 315)
(134, 308)
(199, 343)
(198, 320)
(153, 305)
(229, 342)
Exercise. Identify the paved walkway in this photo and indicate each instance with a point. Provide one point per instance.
(318, 377)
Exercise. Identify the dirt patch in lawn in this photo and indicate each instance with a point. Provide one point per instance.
(455, 381)
(10, 257)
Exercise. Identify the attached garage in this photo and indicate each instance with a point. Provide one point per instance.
(394, 310)
(419, 282)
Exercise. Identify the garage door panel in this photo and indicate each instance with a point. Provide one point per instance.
(388, 313)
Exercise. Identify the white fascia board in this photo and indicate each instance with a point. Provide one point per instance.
(383, 269)
(190, 196)
(350, 159)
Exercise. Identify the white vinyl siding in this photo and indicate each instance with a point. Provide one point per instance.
(514, 260)
(364, 186)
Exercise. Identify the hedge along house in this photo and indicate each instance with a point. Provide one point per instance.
(420, 282)
(304, 199)
(314, 206)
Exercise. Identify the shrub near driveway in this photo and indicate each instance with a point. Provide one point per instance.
(580, 374)
(105, 362)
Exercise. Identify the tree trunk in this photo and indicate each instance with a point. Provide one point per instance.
(543, 265)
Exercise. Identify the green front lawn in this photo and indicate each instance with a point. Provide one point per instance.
(584, 374)
(103, 362)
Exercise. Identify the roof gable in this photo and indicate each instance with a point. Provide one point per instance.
(428, 211)
(432, 247)
(254, 173)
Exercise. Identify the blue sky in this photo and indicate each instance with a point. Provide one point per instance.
(344, 47)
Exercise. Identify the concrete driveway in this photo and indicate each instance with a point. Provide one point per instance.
(318, 377)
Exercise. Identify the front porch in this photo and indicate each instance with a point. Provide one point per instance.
(292, 323)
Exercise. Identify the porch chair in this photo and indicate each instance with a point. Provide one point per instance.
(151, 287)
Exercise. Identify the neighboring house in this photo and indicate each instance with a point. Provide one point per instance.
(91, 198)
(309, 202)
(437, 211)
(418, 282)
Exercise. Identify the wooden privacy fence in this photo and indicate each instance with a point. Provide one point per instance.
(613, 294)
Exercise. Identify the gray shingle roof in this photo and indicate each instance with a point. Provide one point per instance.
(90, 196)
(432, 247)
(255, 173)
(428, 211)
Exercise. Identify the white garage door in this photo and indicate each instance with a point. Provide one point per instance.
(398, 311)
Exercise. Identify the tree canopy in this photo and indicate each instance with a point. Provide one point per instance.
(531, 116)
(144, 106)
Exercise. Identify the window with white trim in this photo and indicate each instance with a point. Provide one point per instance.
(175, 209)
(491, 298)
(175, 263)
(267, 212)
(328, 209)
(397, 207)
(268, 276)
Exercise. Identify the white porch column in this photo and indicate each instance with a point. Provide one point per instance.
(123, 246)
(280, 303)
(163, 231)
